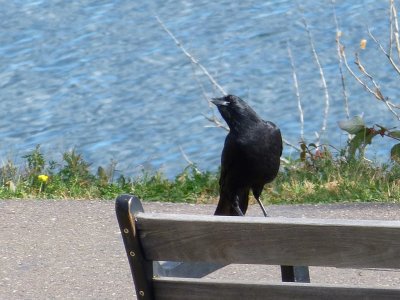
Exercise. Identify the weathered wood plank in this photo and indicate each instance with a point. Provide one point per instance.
(276, 241)
(199, 289)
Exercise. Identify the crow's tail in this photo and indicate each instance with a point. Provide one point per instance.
(226, 199)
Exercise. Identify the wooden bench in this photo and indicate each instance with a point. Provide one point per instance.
(195, 245)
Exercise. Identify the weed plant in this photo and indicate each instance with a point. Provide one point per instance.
(328, 180)
(313, 178)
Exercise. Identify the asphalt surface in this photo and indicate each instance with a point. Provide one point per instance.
(73, 250)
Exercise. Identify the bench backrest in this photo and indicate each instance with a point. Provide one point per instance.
(252, 240)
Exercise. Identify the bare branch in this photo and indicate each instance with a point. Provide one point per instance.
(201, 86)
(321, 73)
(217, 122)
(377, 91)
(296, 87)
(391, 25)
(192, 59)
(343, 54)
(286, 142)
(212, 119)
(392, 62)
(189, 161)
(364, 71)
(195, 62)
(338, 35)
(393, 12)
(284, 160)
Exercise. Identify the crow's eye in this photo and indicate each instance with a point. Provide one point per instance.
(231, 100)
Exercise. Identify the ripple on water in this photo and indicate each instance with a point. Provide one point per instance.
(104, 78)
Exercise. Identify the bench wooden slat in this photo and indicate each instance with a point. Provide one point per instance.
(199, 289)
(276, 241)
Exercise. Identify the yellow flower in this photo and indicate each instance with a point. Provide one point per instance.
(43, 178)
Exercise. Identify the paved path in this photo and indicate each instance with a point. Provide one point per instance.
(73, 250)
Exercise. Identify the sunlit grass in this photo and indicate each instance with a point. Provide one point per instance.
(330, 180)
(323, 179)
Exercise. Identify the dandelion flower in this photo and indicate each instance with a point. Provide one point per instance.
(43, 178)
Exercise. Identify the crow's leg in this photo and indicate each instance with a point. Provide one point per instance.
(262, 206)
(236, 206)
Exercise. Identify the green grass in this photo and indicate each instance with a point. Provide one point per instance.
(328, 180)
(71, 179)
(323, 179)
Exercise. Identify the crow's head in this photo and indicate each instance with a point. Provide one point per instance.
(236, 113)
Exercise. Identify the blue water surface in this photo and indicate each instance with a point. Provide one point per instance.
(104, 78)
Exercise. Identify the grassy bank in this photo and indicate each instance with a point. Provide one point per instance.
(322, 179)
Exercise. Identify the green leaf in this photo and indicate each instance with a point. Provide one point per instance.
(361, 140)
(395, 133)
(312, 145)
(352, 126)
(381, 127)
(395, 153)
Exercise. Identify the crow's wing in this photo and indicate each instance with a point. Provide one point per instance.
(275, 137)
(228, 185)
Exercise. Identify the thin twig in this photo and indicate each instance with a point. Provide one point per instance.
(338, 35)
(192, 59)
(364, 71)
(201, 86)
(393, 11)
(296, 87)
(214, 119)
(392, 62)
(366, 87)
(321, 73)
(391, 25)
(286, 142)
(216, 122)
(189, 161)
(284, 160)
(377, 91)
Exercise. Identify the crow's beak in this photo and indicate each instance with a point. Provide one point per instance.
(219, 101)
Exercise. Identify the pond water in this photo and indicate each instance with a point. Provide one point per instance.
(104, 78)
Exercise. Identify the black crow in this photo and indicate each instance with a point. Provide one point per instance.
(250, 158)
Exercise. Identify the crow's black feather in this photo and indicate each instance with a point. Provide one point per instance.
(251, 155)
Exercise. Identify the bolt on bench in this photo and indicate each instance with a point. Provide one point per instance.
(169, 253)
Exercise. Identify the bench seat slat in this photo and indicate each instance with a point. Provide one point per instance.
(275, 241)
(199, 289)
